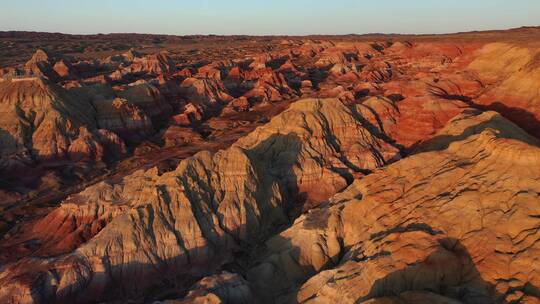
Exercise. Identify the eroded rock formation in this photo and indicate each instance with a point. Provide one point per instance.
(40, 121)
(454, 224)
(227, 200)
(291, 171)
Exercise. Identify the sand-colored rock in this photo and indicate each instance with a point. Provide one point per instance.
(180, 136)
(511, 76)
(391, 180)
(41, 120)
(240, 104)
(155, 64)
(458, 221)
(41, 64)
(223, 288)
(204, 91)
(147, 97)
(189, 221)
(124, 117)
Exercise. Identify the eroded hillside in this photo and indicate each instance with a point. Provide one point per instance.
(305, 171)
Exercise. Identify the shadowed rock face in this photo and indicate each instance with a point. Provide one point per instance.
(511, 82)
(434, 234)
(457, 225)
(221, 288)
(41, 121)
(341, 172)
(190, 221)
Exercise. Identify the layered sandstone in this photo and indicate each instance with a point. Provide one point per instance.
(454, 224)
(40, 121)
(509, 75)
(190, 221)
(402, 175)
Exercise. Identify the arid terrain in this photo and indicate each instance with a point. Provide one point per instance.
(236, 169)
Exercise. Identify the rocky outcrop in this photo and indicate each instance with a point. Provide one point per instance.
(153, 64)
(124, 118)
(510, 76)
(391, 236)
(204, 96)
(97, 146)
(222, 288)
(124, 58)
(338, 145)
(449, 225)
(64, 69)
(147, 97)
(271, 86)
(204, 91)
(41, 64)
(391, 180)
(179, 136)
(191, 114)
(41, 121)
(188, 222)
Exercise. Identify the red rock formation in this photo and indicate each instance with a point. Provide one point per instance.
(190, 115)
(433, 235)
(40, 65)
(509, 75)
(154, 64)
(179, 136)
(223, 288)
(123, 118)
(40, 120)
(147, 97)
(204, 91)
(240, 104)
(271, 181)
(402, 186)
(126, 118)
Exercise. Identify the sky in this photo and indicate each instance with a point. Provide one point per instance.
(268, 17)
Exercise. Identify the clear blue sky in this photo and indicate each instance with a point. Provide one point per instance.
(259, 17)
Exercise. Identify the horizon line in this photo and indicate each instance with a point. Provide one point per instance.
(279, 35)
